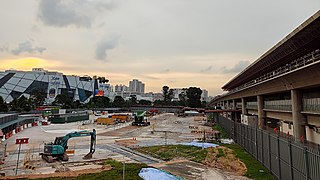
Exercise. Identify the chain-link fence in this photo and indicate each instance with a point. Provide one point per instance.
(285, 159)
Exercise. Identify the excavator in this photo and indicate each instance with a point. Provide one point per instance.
(57, 149)
(140, 120)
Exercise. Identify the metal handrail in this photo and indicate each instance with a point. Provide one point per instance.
(312, 57)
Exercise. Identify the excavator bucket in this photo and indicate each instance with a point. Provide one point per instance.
(88, 156)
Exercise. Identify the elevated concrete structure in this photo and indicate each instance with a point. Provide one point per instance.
(281, 88)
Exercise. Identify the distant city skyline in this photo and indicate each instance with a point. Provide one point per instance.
(175, 43)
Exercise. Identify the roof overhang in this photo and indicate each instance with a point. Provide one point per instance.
(302, 40)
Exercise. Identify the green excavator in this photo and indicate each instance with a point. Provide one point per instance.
(139, 119)
(57, 149)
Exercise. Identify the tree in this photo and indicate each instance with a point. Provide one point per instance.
(77, 104)
(145, 102)
(183, 98)
(3, 105)
(119, 101)
(25, 104)
(63, 100)
(194, 96)
(100, 101)
(133, 99)
(167, 94)
(158, 102)
(38, 97)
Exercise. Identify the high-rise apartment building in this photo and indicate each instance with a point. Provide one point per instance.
(136, 86)
(120, 88)
(204, 95)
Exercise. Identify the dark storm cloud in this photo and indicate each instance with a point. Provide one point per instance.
(27, 47)
(60, 13)
(104, 45)
(206, 69)
(236, 68)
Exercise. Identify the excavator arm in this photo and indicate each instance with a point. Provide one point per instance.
(63, 141)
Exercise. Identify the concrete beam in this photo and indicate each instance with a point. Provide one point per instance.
(303, 78)
(286, 116)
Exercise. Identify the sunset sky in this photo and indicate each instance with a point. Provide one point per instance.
(179, 43)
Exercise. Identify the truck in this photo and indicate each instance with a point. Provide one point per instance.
(57, 149)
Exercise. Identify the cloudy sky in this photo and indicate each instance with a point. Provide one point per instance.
(179, 43)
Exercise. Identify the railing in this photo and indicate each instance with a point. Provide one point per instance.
(239, 105)
(283, 105)
(311, 105)
(295, 64)
(252, 105)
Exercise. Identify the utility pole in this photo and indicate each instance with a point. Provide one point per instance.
(20, 141)
(165, 136)
(18, 159)
(124, 170)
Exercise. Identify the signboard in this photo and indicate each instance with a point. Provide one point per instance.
(22, 141)
(99, 93)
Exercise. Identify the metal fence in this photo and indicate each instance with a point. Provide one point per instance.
(284, 158)
(283, 105)
(311, 105)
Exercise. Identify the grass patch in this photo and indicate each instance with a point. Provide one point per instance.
(220, 153)
(131, 172)
(169, 152)
(253, 166)
(223, 134)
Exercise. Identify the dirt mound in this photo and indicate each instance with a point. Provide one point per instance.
(225, 159)
(75, 173)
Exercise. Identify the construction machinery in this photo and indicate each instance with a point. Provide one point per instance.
(140, 119)
(57, 149)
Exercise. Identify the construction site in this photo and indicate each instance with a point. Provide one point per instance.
(71, 149)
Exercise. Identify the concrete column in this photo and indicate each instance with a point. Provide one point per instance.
(14, 131)
(260, 111)
(4, 137)
(228, 104)
(299, 120)
(234, 104)
(244, 109)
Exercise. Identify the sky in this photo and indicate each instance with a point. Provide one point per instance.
(178, 43)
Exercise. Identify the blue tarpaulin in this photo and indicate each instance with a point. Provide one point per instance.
(200, 144)
(156, 174)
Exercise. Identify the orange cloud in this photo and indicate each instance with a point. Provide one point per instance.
(26, 64)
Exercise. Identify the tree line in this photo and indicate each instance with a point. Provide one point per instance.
(190, 97)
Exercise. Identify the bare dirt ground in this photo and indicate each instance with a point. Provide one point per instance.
(228, 162)
(191, 170)
(126, 142)
(164, 129)
(67, 173)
